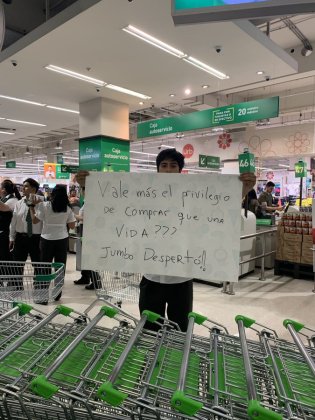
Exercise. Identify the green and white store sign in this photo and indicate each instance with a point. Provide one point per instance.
(231, 114)
(300, 169)
(212, 162)
(106, 154)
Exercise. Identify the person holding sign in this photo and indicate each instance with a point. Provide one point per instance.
(164, 294)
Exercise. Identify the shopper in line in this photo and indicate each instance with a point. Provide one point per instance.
(24, 235)
(9, 196)
(57, 218)
(265, 199)
(73, 198)
(157, 292)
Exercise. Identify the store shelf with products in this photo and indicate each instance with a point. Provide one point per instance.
(294, 255)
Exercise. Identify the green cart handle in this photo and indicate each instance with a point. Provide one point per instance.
(256, 411)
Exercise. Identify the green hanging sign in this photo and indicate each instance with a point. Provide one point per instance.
(300, 169)
(106, 154)
(211, 162)
(10, 164)
(232, 114)
(60, 158)
(69, 169)
(246, 162)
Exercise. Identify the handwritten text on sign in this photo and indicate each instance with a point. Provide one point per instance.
(168, 224)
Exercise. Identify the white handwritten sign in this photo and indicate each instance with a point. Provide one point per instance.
(167, 224)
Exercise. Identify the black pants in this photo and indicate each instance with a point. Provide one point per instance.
(4, 246)
(178, 297)
(52, 250)
(91, 276)
(55, 250)
(25, 246)
(5, 254)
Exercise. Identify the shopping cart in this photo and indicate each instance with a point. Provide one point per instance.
(119, 286)
(30, 281)
(104, 380)
(291, 368)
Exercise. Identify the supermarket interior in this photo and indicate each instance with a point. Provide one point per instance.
(96, 97)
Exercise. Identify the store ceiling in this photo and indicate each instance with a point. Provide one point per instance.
(93, 43)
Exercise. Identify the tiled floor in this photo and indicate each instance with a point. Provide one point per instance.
(268, 302)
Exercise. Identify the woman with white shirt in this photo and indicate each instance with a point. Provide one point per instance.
(57, 218)
(9, 196)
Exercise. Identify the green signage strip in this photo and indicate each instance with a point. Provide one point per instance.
(212, 162)
(231, 114)
(300, 169)
(60, 174)
(106, 154)
(246, 162)
(10, 164)
(198, 11)
(60, 158)
(69, 169)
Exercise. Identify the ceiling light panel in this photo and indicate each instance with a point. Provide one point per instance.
(127, 91)
(26, 122)
(7, 132)
(63, 109)
(202, 66)
(75, 75)
(132, 30)
(12, 98)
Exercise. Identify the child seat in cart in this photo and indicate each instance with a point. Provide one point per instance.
(31, 281)
(119, 286)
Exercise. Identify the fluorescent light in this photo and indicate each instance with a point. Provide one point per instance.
(202, 66)
(26, 122)
(7, 132)
(260, 72)
(63, 109)
(75, 75)
(202, 170)
(1, 118)
(12, 98)
(142, 165)
(143, 153)
(264, 169)
(142, 160)
(167, 147)
(187, 91)
(154, 41)
(284, 166)
(127, 91)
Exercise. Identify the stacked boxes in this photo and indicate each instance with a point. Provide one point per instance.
(307, 253)
(294, 238)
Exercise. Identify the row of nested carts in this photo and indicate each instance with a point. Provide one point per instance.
(71, 365)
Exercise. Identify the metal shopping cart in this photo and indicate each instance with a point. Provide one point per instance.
(291, 367)
(31, 281)
(119, 286)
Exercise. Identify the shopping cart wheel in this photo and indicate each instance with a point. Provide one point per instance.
(58, 297)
